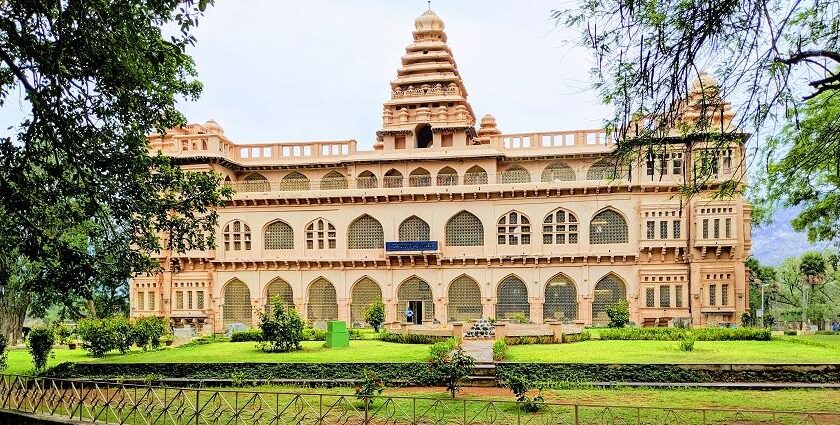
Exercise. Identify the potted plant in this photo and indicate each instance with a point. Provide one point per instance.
(167, 340)
(72, 344)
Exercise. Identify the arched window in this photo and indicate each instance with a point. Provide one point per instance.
(414, 229)
(323, 304)
(333, 181)
(255, 182)
(608, 291)
(560, 227)
(237, 303)
(447, 176)
(365, 232)
(420, 177)
(475, 175)
(237, 236)
(558, 172)
(464, 229)
(560, 299)
(279, 288)
(424, 136)
(365, 292)
(320, 234)
(366, 180)
(516, 174)
(393, 178)
(464, 300)
(279, 235)
(514, 228)
(294, 181)
(416, 289)
(606, 227)
(512, 298)
(604, 170)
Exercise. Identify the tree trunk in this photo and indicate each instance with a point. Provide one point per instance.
(13, 307)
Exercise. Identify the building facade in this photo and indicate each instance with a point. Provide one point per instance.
(457, 222)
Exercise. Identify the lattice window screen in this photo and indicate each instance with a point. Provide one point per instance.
(665, 295)
(678, 296)
(558, 172)
(255, 183)
(420, 178)
(512, 298)
(516, 174)
(199, 300)
(320, 234)
(414, 229)
(464, 229)
(464, 300)
(393, 178)
(365, 233)
(141, 300)
(514, 229)
(475, 175)
(237, 236)
(416, 289)
(179, 300)
(152, 296)
(366, 180)
(279, 288)
(237, 304)
(294, 181)
(333, 181)
(447, 177)
(608, 227)
(650, 296)
(609, 290)
(560, 227)
(323, 304)
(560, 299)
(603, 170)
(279, 235)
(365, 292)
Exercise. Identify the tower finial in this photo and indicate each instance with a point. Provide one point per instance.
(430, 4)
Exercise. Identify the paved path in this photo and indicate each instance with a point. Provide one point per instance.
(480, 350)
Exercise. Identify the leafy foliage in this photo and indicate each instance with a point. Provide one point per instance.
(282, 329)
(40, 342)
(794, 293)
(375, 314)
(677, 334)
(64, 334)
(687, 342)
(254, 335)
(451, 366)
(499, 350)
(520, 387)
(148, 331)
(386, 336)
(369, 387)
(439, 351)
(619, 314)
(122, 333)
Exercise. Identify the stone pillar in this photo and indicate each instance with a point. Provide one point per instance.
(556, 330)
(440, 310)
(458, 330)
(537, 310)
(256, 308)
(404, 328)
(391, 313)
(488, 308)
(501, 330)
(585, 309)
(344, 310)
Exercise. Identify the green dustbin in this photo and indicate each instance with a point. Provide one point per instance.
(337, 335)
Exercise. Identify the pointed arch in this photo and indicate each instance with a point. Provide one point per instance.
(255, 182)
(364, 293)
(558, 172)
(464, 229)
(560, 299)
(294, 181)
(414, 229)
(416, 289)
(608, 227)
(333, 181)
(320, 234)
(322, 301)
(514, 228)
(515, 174)
(278, 235)
(278, 287)
(236, 236)
(236, 307)
(512, 298)
(560, 227)
(447, 176)
(365, 232)
(464, 297)
(475, 175)
(604, 169)
(366, 180)
(419, 177)
(609, 290)
(393, 178)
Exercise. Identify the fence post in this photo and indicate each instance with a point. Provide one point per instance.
(367, 410)
(577, 415)
(197, 401)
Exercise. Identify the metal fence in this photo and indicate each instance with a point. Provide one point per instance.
(100, 402)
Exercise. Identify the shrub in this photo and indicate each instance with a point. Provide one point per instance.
(519, 318)
(452, 368)
(499, 350)
(529, 340)
(790, 333)
(369, 387)
(520, 387)
(64, 334)
(282, 329)
(122, 333)
(676, 334)
(747, 319)
(40, 341)
(386, 336)
(583, 336)
(375, 314)
(687, 343)
(251, 335)
(96, 336)
(312, 334)
(439, 351)
(619, 314)
(148, 332)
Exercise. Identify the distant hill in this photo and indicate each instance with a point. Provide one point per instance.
(774, 242)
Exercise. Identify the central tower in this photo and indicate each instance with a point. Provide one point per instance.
(428, 106)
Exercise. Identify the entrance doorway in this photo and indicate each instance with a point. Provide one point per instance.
(416, 308)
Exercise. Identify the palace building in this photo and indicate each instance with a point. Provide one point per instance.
(456, 220)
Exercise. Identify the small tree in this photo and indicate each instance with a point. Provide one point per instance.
(370, 387)
(619, 314)
(40, 341)
(122, 333)
(453, 367)
(375, 314)
(96, 337)
(282, 328)
(148, 331)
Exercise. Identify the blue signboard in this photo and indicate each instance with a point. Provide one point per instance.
(411, 246)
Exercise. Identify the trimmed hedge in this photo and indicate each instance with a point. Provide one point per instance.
(254, 335)
(549, 373)
(676, 334)
(411, 338)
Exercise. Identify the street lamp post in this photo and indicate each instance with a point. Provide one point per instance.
(762, 302)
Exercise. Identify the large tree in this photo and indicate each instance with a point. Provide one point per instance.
(773, 58)
(82, 201)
